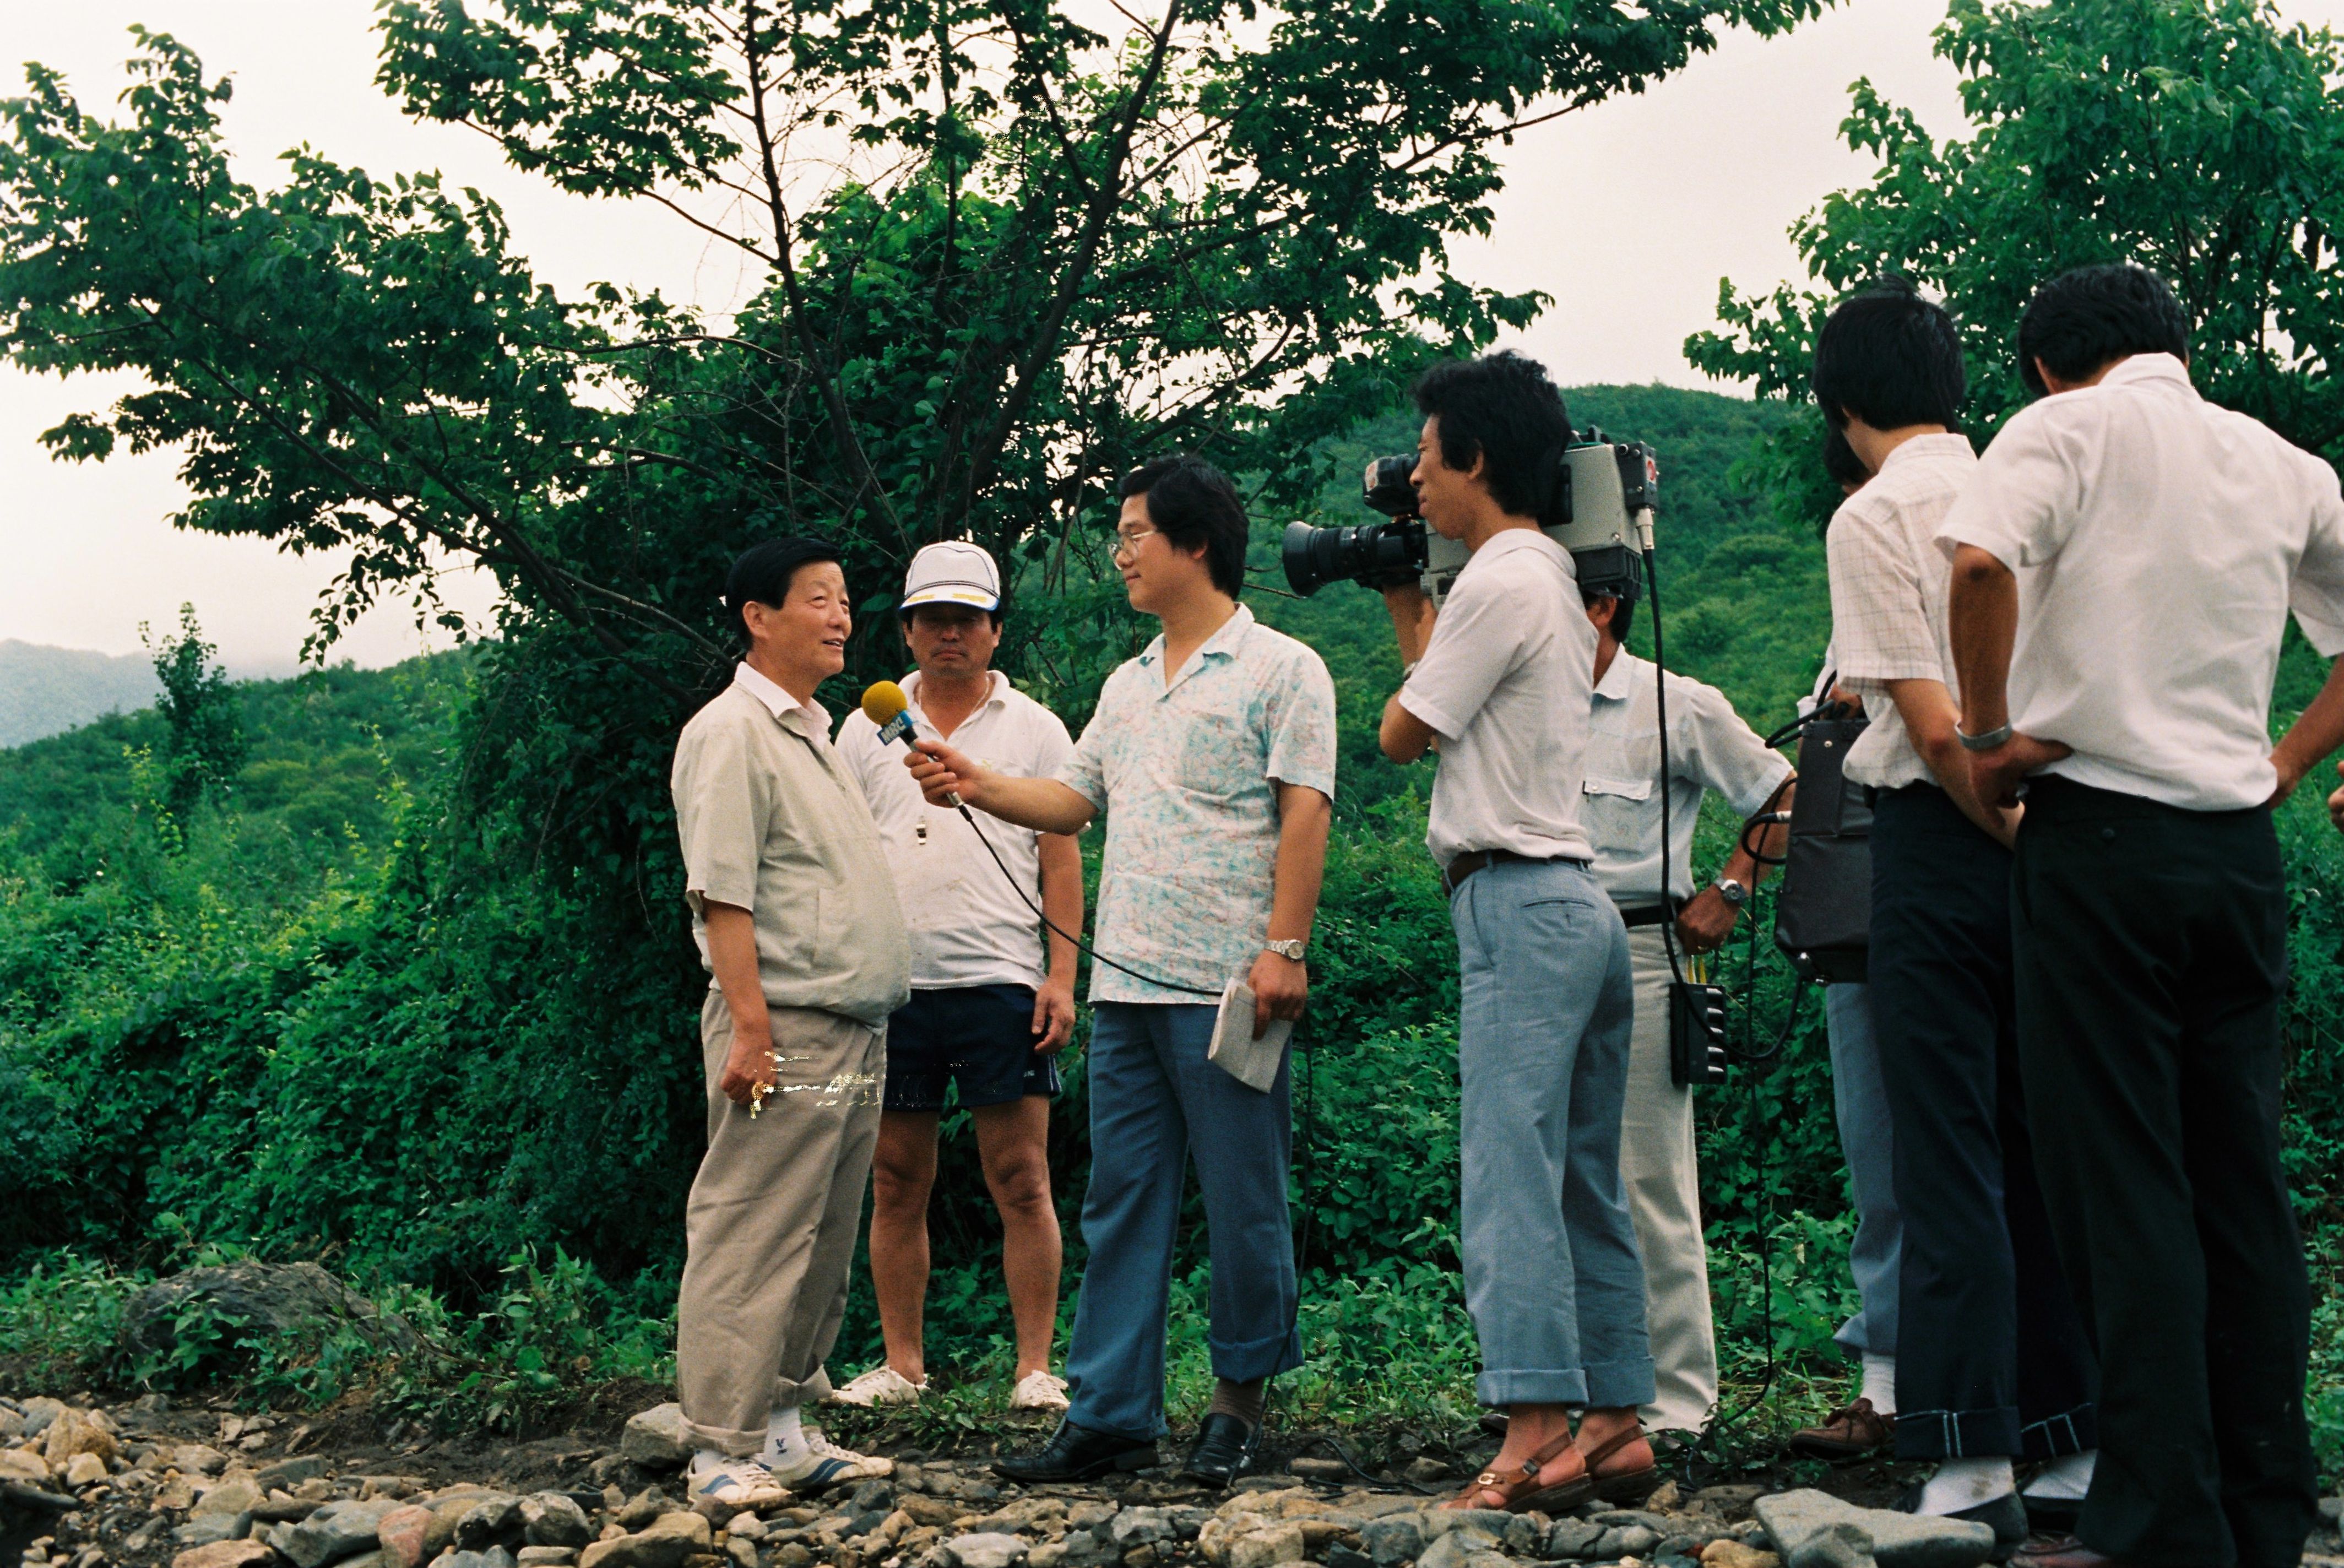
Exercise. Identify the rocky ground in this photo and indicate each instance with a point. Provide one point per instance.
(144, 1485)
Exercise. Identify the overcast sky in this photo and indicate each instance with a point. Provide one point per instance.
(1628, 213)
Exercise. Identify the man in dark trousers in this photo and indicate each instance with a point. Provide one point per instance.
(1992, 1361)
(2141, 549)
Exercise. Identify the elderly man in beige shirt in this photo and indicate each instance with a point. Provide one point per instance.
(796, 918)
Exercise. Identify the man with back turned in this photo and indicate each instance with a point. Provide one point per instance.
(2123, 568)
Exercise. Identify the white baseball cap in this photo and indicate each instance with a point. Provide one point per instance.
(952, 573)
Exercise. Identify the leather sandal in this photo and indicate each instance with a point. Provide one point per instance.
(1520, 1492)
(1628, 1485)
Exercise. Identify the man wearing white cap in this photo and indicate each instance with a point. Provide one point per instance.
(985, 1017)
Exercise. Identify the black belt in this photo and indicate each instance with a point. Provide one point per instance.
(1649, 915)
(1453, 875)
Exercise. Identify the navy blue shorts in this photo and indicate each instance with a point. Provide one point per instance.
(978, 1037)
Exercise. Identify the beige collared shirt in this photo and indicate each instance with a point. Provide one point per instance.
(773, 821)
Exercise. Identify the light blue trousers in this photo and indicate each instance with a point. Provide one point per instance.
(1553, 1278)
(1157, 1102)
(1860, 1100)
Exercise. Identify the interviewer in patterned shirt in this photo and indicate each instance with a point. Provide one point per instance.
(1213, 754)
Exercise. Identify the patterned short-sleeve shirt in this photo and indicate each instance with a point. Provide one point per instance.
(1187, 774)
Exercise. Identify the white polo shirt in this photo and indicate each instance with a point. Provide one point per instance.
(1888, 589)
(1710, 748)
(1505, 683)
(969, 926)
(2159, 543)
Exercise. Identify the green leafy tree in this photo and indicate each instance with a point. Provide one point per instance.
(206, 719)
(2203, 138)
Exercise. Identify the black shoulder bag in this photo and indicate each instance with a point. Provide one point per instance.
(1823, 915)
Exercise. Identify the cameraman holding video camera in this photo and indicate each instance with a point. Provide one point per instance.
(1500, 678)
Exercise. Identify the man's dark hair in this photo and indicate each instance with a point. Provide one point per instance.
(1190, 502)
(764, 572)
(1840, 462)
(1502, 409)
(1623, 609)
(2083, 318)
(1889, 358)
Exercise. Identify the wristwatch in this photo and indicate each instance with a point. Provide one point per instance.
(1732, 892)
(1290, 948)
(1984, 743)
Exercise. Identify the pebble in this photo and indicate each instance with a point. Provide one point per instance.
(654, 1438)
(1898, 1540)
(985, 1548)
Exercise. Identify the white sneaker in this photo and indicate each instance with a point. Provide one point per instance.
(1038, 1391)
(882, 1385)
(827, 1464)
(715, 1477)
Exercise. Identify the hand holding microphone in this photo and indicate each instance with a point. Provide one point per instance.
(939, 769)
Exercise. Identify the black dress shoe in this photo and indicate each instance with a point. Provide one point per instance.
(1076, 1453)
(2005, 1514)
(1223, 1450)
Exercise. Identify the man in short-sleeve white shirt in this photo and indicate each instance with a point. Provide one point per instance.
(1498, 680)
(1710, 748)
(986, 1016)
(2122, 567)
(1993, 1365)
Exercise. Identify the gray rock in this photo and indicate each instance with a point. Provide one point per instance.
(1572, 1538)
(1626, 1541)
(1658, 1523)
(1521, 1536)
(335, 1531)
(554, 1519)
(203, 1529)
(12, 1425)
(273, 1299)
(234, 1495)
(487, 1522)
(494, 1557)
(654, 1438)
(990, 1550)
(642, 1508)
(1490, 1522)
(39, 1412)
(1841, 1546)
(1145, 1526)
(671, 1538)
(287, 1474)
(1456, 1546)
(1084, 1549)
(876, 1494)
(1392, 1541)
(1898, 1540)
(546, 1556)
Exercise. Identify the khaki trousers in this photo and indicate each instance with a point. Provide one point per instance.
(771, 1225)
(1657, 1165)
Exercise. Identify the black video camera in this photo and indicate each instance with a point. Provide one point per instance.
(1599, 508)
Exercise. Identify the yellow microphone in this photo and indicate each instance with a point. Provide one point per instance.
(885, 706)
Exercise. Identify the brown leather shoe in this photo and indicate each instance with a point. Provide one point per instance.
(2060, 1552)
(1849, 1432)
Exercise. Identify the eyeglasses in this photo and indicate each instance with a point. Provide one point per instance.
(1126, 540)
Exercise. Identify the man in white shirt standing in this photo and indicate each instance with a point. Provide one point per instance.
(1501, 681)
(2142, 549)
(1992, 1361)
(1710, 748)
(985, 1017)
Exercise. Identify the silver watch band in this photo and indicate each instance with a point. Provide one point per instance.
(1290, 947)
(1984, 743)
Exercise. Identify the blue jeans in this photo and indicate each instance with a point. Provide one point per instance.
(1860, 1100)
(1155, 1103)
(1552, 1277)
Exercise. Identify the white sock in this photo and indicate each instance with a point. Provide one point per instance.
(785, 1441)
(704, 1460)
(2066, 1479)
(1880, 1384)
(1962, 1483)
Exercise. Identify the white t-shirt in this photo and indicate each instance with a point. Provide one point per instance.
(1505, 683)
(967, 924)
(2159, 543)
(1710, 748)
(1888, 588)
